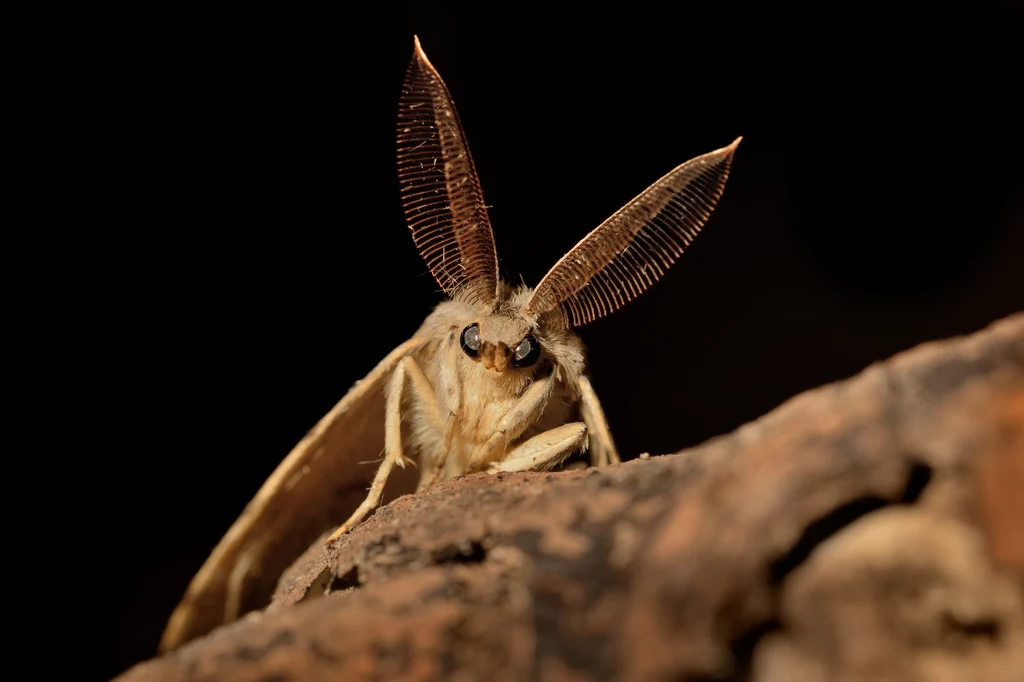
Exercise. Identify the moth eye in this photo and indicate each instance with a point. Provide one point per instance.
(471, 340)
(527, 352)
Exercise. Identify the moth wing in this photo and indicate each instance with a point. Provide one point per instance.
(321, 481)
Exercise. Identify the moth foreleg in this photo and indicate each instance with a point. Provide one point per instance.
(602, 447)
(431, 476)
(544, 450)
(523, 413)
(407, 374)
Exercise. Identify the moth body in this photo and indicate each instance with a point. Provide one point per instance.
(493, 380)
(479, 397)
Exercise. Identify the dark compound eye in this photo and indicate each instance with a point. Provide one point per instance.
(471, 340)
(527, 352)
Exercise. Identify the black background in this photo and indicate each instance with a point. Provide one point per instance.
(255, 261)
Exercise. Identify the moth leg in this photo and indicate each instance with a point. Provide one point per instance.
(430, 478)
(523, 413)
(602, 447)
(544, 450)
(407, 372)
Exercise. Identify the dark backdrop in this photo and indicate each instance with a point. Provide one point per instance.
(258, 262)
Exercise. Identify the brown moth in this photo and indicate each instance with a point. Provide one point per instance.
(492, 381)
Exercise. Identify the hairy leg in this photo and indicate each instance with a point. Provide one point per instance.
(430, 476)
(602, 447)
(409, 376)
(525, 412)
(544, 450)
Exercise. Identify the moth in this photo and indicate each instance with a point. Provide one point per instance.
(493, 380)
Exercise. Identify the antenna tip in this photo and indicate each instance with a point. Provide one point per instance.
(418, 50)
(729, 149)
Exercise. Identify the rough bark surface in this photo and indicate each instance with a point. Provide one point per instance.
(867, 530)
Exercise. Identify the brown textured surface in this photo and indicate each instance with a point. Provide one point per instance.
(861, 531)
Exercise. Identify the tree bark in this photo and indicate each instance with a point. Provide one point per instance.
(871, 529)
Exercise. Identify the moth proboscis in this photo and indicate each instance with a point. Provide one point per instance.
(493, 380)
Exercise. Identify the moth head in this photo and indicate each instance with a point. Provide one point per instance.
(497, 351)
(499, 338)
(612, 265)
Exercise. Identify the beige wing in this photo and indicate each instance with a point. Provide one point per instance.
(318, 485)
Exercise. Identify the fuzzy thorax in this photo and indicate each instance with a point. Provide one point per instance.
(480, 393)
